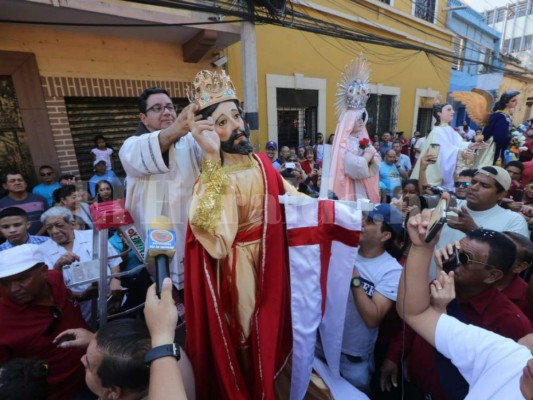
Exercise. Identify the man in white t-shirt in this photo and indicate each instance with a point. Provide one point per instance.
(493, 366)
(480, 209)
(419, 144)
(374, 286)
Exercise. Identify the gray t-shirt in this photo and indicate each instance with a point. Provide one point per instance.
(381, 274)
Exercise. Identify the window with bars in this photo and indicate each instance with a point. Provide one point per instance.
(460, 44)
(423, 122)
(515, 45)
(382, 115)
(297, 115)
(528, 42)
(114, 118)
(521, 9)
(506, 45)
(489, 17)
(425, 9)
(500, 15)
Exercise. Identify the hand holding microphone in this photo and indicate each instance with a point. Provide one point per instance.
(160, 248)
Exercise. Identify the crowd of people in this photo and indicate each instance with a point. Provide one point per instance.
(232, 268)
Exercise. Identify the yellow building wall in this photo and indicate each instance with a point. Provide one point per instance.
(284, 51)
(72, 54)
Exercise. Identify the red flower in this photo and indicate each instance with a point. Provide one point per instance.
(364, 143)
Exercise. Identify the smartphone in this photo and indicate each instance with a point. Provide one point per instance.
(290, 165)
(518, 195)
(316, 166)
(452, 262)
(437, 220)
(434, 150)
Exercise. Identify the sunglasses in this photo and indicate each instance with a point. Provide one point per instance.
(46, 173)
(465, 259)
(461, 184)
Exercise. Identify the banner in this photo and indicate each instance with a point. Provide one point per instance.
(323, 236)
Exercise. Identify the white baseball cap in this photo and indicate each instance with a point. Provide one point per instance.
(99, 160)
(19, 259)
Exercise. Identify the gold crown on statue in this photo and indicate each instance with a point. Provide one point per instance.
(211, 87)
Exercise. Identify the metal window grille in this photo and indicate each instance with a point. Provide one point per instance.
(114, 118)
(460, 44)
(500, 15)
(425, 116)
(382, 114)
(425, 9)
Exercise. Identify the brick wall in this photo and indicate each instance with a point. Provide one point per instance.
(57, 88)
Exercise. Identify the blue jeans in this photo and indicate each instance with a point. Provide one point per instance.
(358, 370)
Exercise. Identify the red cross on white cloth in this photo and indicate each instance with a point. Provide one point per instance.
(323, 236)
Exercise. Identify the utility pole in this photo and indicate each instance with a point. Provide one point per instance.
(249, 74)
(504, 29)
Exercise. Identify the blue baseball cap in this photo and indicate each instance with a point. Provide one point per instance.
(389, 215)
(271, 145)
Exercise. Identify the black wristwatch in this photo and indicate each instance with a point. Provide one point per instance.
(356, 282)
(166, 350)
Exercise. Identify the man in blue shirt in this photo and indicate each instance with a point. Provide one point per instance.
(403, 160)
(48, 185)
(385, 144)
(103, 174)
(271, 150)
(391, 173)
(14, 227)
(17, 196)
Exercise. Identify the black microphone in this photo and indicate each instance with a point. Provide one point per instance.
(160, 248)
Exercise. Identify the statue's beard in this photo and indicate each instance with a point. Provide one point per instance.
(243, 147)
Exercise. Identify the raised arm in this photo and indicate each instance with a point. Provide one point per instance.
(178, 129)
(145, 154)
(413, 291)
(166, 380)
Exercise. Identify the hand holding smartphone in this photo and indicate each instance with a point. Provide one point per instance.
(434, 150)
(437, 219)
(451, 263)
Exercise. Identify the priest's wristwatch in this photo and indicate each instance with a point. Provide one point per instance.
(356, 282)
(166, 350)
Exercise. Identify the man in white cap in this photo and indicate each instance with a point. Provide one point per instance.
(36, 306)
(101, 173)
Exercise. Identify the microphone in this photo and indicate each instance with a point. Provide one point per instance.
(160, 248)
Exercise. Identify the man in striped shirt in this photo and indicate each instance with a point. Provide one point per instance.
(14, 227)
